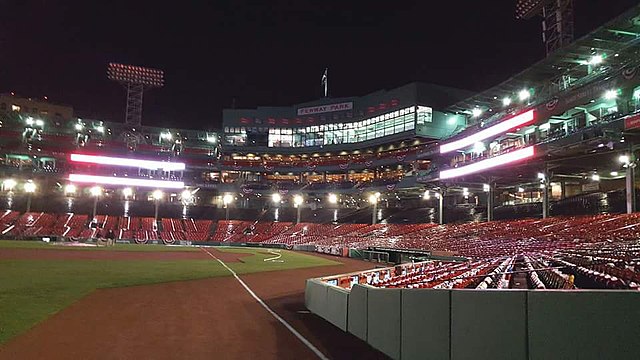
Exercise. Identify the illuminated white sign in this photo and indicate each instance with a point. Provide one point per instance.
(500, 128)
(488, 163)
(325, 108)
(116, 161)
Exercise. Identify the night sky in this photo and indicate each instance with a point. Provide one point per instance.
(272, 53)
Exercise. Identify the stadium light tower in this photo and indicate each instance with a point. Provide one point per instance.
(136, 79)
(227, 199)
(95, 191)
(557, 20)
(157, 196)
(373, 199)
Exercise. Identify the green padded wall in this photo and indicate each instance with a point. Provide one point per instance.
(315, 297)
(383, 320)
(337, 306)
(488, 324)
(425, 324)
(357, 312)
(585, 324)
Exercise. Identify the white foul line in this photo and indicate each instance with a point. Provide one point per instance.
(276, 316)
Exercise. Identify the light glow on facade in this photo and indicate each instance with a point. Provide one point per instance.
(109, 180)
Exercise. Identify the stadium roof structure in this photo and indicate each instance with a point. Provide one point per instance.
(568, 67)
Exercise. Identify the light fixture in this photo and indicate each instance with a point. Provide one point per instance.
(542, 186)
(109, 180)
(157, 194)
(95, 191)
(276, 198)
(476, 112)
(520, 189)
(78, 127)
(70, 189)
(465, 191)
(541, 176)
(596, 59)
(333, 198)
(482, 165)
(373, 199)
(614, 173)
(624, 159)
(506, 101)
(9, 184)
(297, 200)
(186, 195)
(524, 94)
(595, 177)
(426, 195)
(30, 186)
(227, 199)
(39, 123)
(452, 120)
(100, 129)
(127, 192)
(610, 94)
(128, 162)
(486, 187)
(500, 128)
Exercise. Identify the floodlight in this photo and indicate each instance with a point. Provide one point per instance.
(9, 184)
(500, 128)
(79, 127)
(109, 180)
(96, 191)
(373, 199)
(541, 176)
(614, 173)
(452, 120)
(524, 94)
(476, 112)
(520, 189)
(128, 162)
(70, 189)
(426, 195)
(276, 198)
(212, 139)
(227, 199)
(30, 187)
(135, 74)
(39, 123)
(595, 177)
(506, 101)
(333, 198)
(157, 195)
(298, 200)
(100, 129)
(486, 187)
(465, 191)
(29, 121)
(488, 163)
(542, 186)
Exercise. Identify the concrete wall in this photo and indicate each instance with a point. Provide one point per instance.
(383, 320)
(357, 311)
(425, 317)
(337, 307)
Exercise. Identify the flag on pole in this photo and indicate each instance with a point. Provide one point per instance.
(325, 81)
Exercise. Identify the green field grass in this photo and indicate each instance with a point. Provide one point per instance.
(33, 290)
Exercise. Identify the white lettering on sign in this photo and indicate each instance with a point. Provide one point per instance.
(325, 108)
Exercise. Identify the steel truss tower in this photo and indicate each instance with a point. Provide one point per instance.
(557, 20)
(136, 79)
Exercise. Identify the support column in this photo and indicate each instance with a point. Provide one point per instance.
(490, 199)
(441, 207)
(545, 194)
(630, 186)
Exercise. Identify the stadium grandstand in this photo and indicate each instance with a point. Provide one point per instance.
(553, 142)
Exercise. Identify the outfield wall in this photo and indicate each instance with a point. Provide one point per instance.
(484, 324)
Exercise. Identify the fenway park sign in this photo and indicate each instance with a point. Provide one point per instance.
(325, 108)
